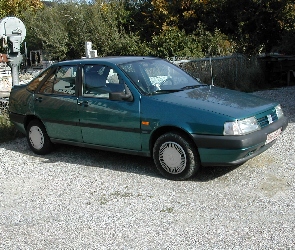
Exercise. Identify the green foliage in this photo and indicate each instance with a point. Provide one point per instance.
(287, 45)
(7, 129)
(15, 8)
(46, 31)
(214, 43)
(255, 26)
(173, 42)
(63, 28)
(184, 28)
(104, 28)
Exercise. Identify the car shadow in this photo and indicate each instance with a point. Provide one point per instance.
(108, 160)
(210, 173)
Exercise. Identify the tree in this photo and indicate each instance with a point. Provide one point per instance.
(201, 43)
(173, 42)
(287, 44)
(151, 17)
(46, 31)
(255, 25)
(17, 7)
(186, 28)
(62, 29)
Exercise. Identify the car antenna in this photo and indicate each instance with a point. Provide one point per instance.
(211, 72)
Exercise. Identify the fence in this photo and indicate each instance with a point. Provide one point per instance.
(5, 77)
(233, 72)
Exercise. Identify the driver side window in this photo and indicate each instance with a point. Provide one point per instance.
(101, 81)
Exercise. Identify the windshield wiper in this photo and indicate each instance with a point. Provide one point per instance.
(177, 90)
(193, 86)
(166, 91)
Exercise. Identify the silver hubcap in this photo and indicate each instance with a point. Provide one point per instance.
(36, 137)
(172, 157)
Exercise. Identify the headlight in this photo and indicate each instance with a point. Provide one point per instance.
(279, 111)
(241, 127)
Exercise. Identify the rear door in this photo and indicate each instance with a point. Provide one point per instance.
(56, 104)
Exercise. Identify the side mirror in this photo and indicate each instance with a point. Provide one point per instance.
(119, 96)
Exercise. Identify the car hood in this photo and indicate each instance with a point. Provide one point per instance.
(218, 100)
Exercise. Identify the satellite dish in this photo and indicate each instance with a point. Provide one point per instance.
(13, 33)
(12, 26)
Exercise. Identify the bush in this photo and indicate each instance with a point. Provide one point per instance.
(173, 42)
(7, 129)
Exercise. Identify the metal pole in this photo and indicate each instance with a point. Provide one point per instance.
(14, 74)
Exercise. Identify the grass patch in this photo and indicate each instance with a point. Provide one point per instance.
(7, 129)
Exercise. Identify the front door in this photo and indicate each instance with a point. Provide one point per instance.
(106, 122)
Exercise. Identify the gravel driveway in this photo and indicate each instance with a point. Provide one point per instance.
(77, 198)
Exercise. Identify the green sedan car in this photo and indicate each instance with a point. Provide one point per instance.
(144, 106)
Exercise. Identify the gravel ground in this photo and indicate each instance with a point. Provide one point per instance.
(77, 198)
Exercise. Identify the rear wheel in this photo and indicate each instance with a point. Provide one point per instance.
(38, 139)
(175, 157)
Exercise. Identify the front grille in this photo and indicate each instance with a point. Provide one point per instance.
(265, 120)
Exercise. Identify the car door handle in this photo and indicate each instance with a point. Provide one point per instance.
(84, 103)
(39, 99)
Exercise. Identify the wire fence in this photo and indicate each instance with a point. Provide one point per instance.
(233, 72)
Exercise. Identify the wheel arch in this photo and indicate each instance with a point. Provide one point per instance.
(170, 129)
(30, 118)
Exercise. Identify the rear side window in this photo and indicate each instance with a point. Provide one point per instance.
(62, 81)
(33, 85)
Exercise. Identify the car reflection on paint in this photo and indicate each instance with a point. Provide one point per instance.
(144, 106)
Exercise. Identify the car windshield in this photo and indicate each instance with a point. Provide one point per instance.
(154, 76)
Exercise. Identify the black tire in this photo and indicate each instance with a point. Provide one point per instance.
(175, 157)
(37, 138)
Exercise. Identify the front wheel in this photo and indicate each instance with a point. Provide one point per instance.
(38, 139)
(175, 157)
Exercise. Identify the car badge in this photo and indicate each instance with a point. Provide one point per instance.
(269, 117)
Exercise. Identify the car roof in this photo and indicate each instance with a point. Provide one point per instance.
(111, 59)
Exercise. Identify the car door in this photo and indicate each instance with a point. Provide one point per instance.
(56, 104)
(104, 121)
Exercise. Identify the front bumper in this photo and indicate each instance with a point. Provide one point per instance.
(235, 150)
